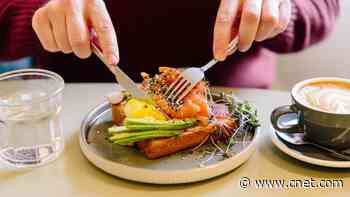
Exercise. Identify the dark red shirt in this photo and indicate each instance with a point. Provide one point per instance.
(168, 33)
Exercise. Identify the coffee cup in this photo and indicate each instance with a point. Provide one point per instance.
(322, 111)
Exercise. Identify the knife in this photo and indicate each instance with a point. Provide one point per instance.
(122, 78)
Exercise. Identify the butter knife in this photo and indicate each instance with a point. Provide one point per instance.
(122, 78)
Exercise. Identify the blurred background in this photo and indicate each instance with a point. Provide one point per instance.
(330, 58)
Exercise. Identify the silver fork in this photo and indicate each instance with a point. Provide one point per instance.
(186, 81)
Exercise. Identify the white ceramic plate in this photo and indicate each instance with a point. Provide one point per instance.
(129, 163)
(307, 154)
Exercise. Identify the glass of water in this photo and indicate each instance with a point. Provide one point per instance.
(30, 125)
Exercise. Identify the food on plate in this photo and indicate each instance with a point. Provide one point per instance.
(160, 126)
(195, 103)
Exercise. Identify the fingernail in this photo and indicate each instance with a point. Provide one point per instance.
(113, 60)
(259, 38)
(244, 48)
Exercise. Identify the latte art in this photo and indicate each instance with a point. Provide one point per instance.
(327, 97)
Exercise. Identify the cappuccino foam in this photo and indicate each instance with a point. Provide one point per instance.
(327, 96)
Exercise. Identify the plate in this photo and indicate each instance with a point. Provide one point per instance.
(307, 154)
(128, 163)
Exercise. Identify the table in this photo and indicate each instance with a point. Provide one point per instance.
(72, 175)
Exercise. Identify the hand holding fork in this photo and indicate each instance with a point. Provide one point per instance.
(188, 79)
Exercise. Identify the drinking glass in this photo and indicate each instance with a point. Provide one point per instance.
(30, 123)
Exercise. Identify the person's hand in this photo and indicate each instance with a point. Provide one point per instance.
(251, 20)
(63, 25)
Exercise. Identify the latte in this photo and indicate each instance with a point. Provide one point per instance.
(328, 96)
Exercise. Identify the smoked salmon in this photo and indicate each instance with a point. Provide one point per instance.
(195, 103)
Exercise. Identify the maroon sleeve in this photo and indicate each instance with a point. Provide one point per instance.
(17, 36)
(312, 21)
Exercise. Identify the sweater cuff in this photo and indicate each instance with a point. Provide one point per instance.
(19, 39)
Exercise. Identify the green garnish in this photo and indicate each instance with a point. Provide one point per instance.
(245, 115)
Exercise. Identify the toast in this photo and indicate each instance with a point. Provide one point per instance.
(156, 148)
(118, 113)
(192, 137)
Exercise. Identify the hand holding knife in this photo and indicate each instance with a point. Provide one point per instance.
(122, 78)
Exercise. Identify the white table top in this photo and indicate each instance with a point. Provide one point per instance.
(72, 175)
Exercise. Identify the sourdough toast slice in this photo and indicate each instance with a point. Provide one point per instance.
(156, 148)
(118, 115)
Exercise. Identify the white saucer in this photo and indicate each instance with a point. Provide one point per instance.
(298, 154)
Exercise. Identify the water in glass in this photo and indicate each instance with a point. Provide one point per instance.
(30, 125)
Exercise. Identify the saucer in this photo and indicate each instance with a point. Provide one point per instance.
(307, 153)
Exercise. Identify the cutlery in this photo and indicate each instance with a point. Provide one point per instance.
(122, 78)
(300, 139)
(186, 81)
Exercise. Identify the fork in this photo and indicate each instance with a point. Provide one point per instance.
(188, 79)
